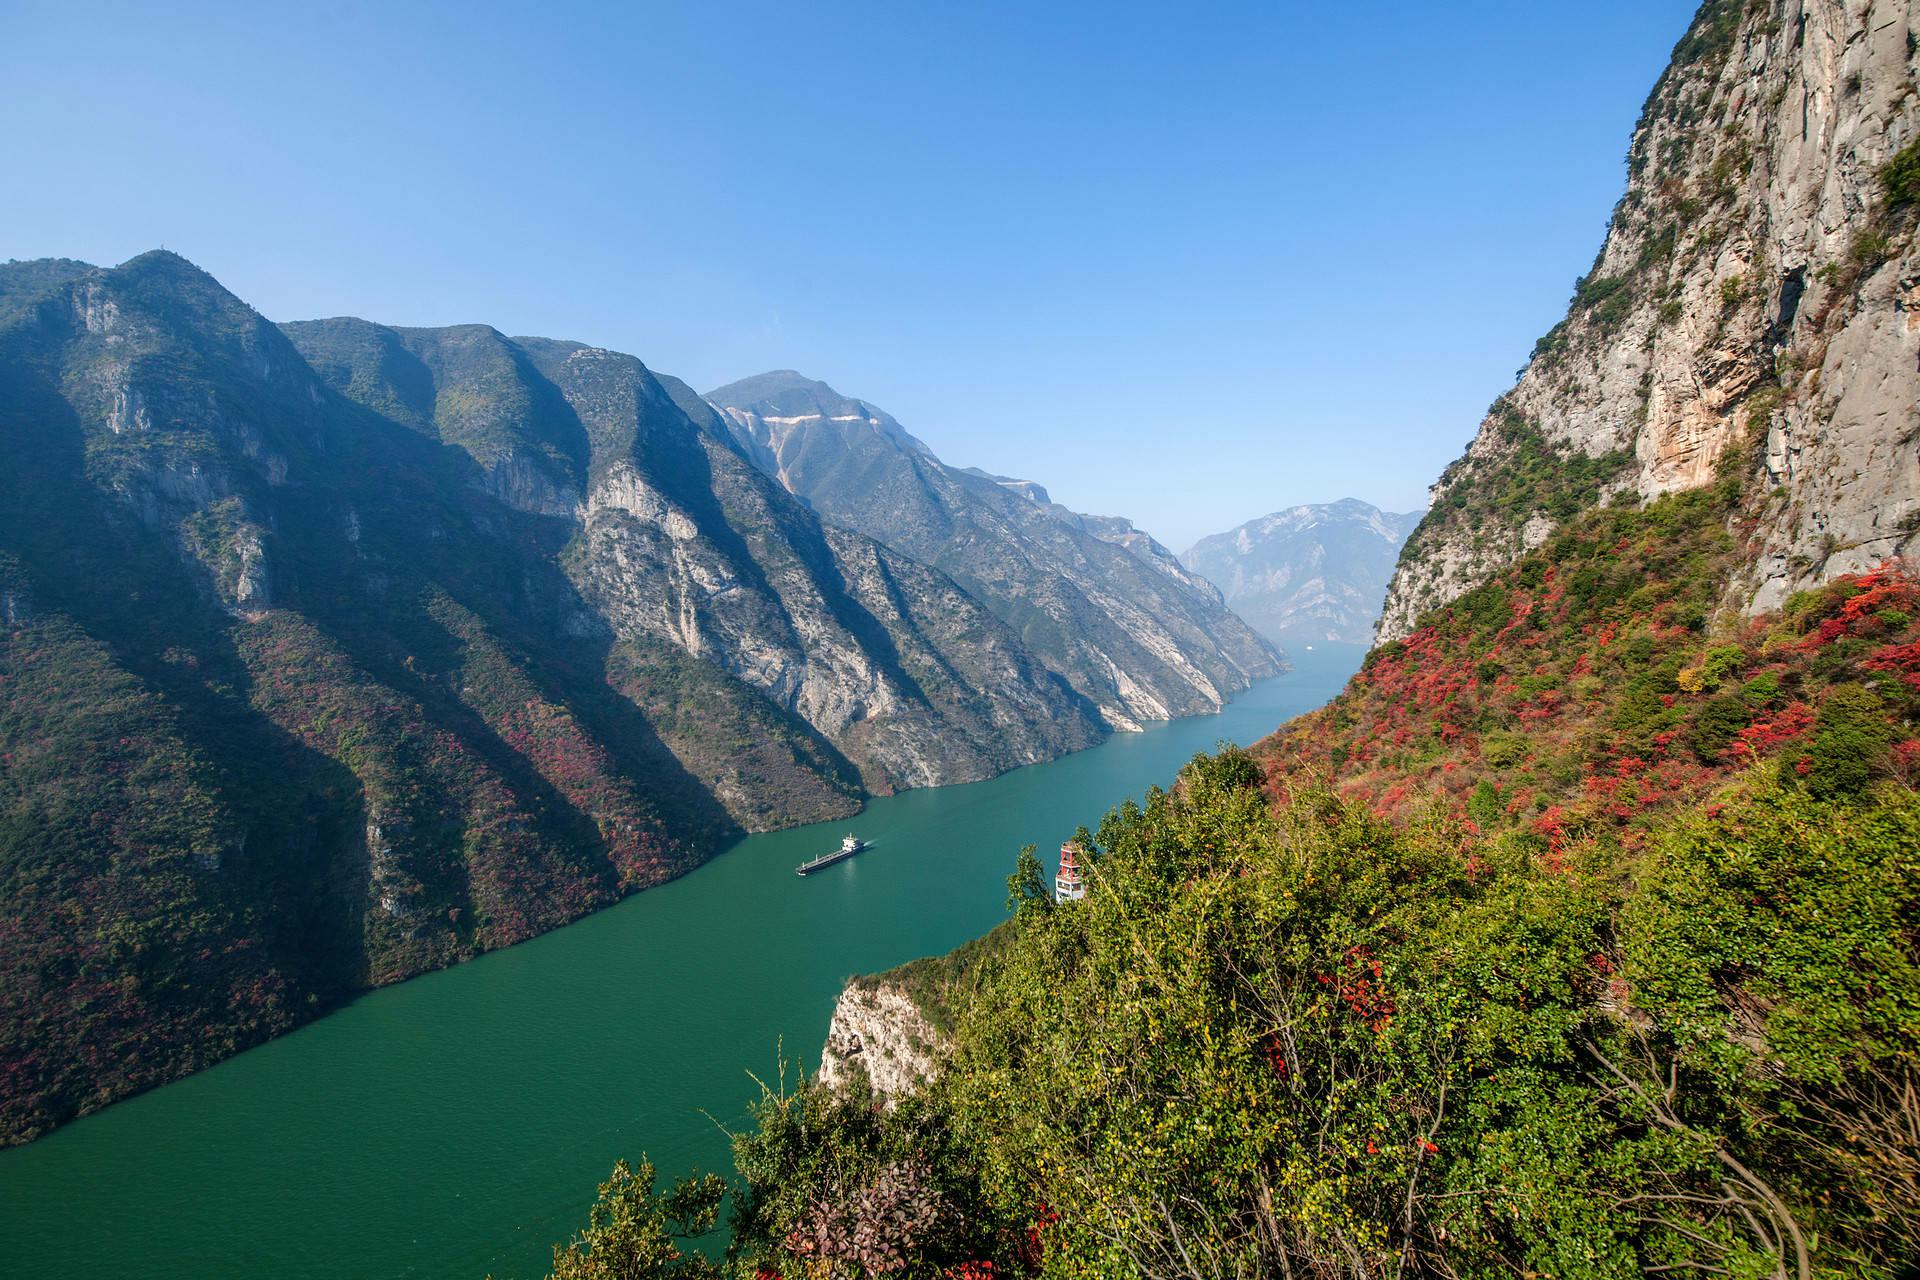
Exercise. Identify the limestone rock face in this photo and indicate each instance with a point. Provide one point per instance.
(684, 541)
(1753, 307)
(878, 1032)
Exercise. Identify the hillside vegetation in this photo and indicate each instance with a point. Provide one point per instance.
(1609, 980)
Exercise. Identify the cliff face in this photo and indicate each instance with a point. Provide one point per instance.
(1309, 575)
(1097, 601)
(1754, 306)
(337, 653)
(877, 1031)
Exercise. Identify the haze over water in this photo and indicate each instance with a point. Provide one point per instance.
(457, 1124)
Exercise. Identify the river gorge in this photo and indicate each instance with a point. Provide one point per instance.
(455, 1125)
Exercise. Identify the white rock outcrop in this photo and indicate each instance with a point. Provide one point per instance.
(878, 1031)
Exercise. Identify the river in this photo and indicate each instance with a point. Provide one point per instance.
(457, 1124)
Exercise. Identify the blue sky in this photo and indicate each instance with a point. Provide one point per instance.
(1187, 263)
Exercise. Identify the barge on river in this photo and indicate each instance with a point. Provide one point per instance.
(848, 847)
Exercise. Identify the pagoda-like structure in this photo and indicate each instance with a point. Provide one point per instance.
(1068, 886)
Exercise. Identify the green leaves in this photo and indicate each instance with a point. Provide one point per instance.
(1776, 935)
(1027, 893)
(1850, 741)
(636, 1233)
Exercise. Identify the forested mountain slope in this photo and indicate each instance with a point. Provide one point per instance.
(339, 652)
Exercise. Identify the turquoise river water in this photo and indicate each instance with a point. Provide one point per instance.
(457, 1124)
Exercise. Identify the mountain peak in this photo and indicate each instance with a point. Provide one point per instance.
(788, 393)
(163, 264)
(770, 382)
(169, 285)
(790, 401)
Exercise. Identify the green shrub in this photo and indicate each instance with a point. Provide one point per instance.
(1900, 177)
(1760, 690)
(1505, 750)
(1484, 806)
(636, 1233)
(1607, 299)
(1850, 741)
(1715, 726)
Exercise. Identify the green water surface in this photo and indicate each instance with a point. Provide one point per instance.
(457, 1124)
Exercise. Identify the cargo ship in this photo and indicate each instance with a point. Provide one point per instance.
(848, 847)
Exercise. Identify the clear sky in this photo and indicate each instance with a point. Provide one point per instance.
(1188, 263)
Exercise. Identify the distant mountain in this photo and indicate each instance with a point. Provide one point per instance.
(337, 652)
(1309, 575)
(1093, 598)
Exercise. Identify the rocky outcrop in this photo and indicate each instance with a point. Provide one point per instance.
(1097, 601)
(1312, 574)
(879, 1033)
(1755, 310)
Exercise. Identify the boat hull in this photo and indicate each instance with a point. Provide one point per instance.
(822, 863)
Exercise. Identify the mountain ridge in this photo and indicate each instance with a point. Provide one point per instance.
(1129, 627)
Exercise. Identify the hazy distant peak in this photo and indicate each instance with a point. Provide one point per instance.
(1307, 574)
(1350, 513)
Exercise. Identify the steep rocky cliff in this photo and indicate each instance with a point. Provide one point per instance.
(1755, 307)
(1312, 574)
(1096, 600)
(677, 541)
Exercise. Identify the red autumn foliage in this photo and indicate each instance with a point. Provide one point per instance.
(1559, 684)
